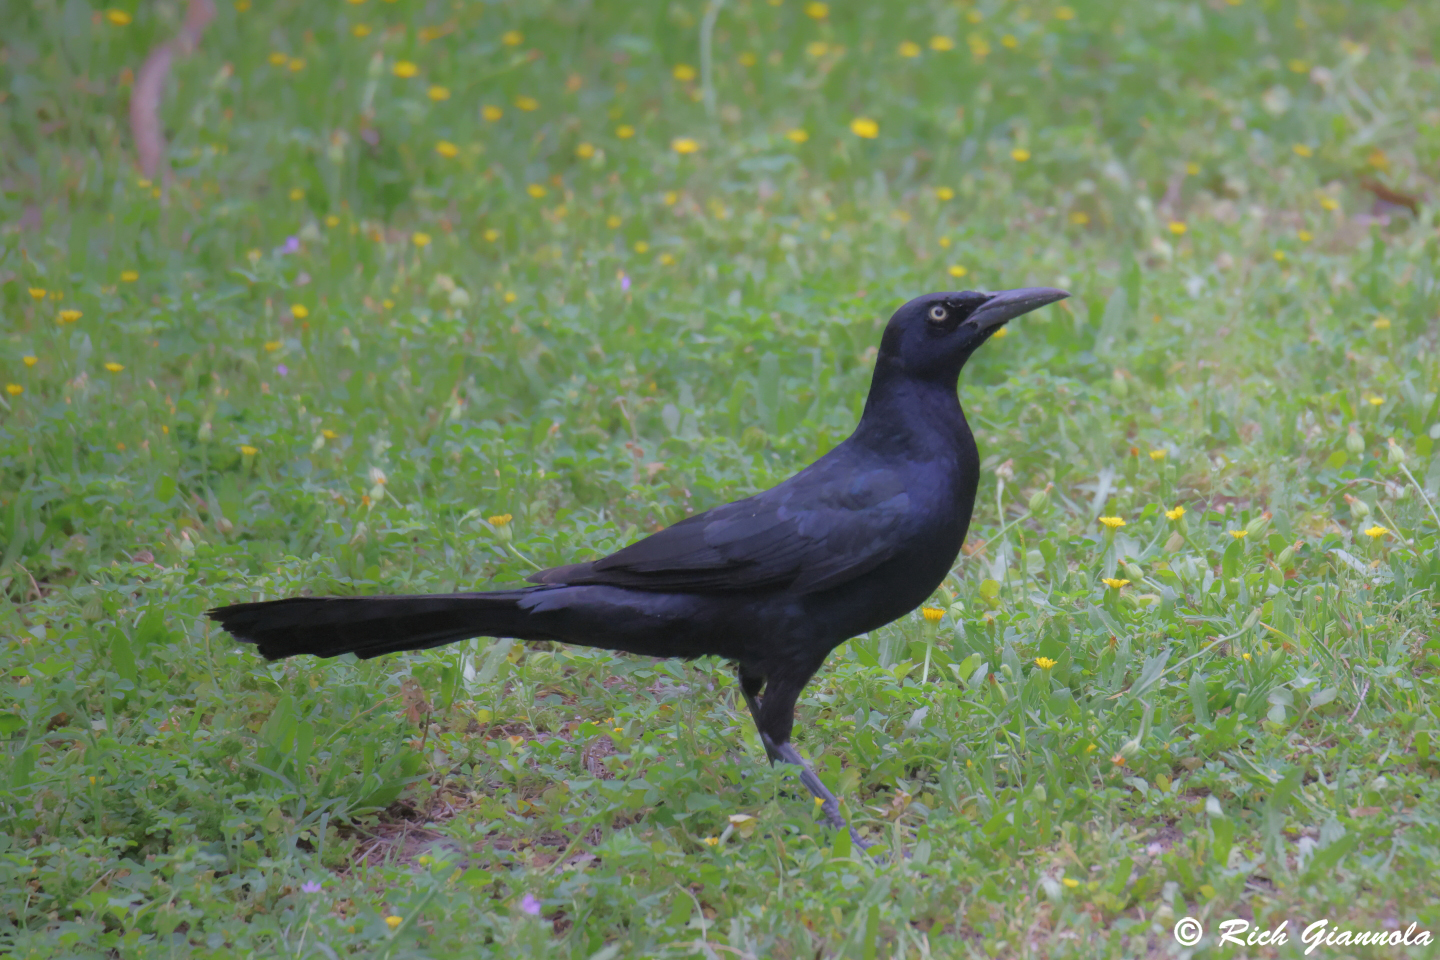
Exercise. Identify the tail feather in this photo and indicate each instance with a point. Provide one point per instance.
(372, 626)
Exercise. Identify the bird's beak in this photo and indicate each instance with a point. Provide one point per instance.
(1009, 304)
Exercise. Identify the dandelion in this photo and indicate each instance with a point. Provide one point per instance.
(296, 193)
(932, 614)
(70, 316)
(491, 235)
(944, 193)
(438, 93)
(14, 389)
(909, 49)
(393, 921)
(817, 48)
(30, 361)
(1244, 656)
(1020, 154)
(1175, 513)
(1157, 455)
(1303, 150)
(667, 260)
(296, 64)
(624, 131)
(748, 59)
(642, 247)
(329, 434)
(310, 886)
(1114, 583)
(420, 238)
(536, 190)
(37, 293)
(1298, 66)
(864, 127)
(1070, 882)
(671, 198)
(1304, 236)
(1381, 323)
(129, 276)
(1330, 203)
(299, 311)
(1178, 228)
(361, 30)
(1239, 534)
(817, 11)
(272, 345)
(1079, 218)
(1064, 13)
(512, 38)
(404, 69)
(447, 149)
(528, 104)
(683, 72)
(613, 221)
(957, 271)
(1192, 169)
(1373, 401)
(491, 112)
(1279, 256)
(585, 151)
(1112, 523)
(114, 367)
(1376, 532)
(1045, 663)
(332, 221)
(944, 243)
(119, 18)
(941, 44)
(712, 841)
(797, 135)
(1378, 159)
(684, 145)
(1001, 334)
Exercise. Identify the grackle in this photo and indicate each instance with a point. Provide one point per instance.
(773, 582)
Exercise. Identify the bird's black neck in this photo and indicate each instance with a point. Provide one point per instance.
(913, 416)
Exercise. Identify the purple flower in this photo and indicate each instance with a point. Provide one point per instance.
(292, 244)
(282, 370)
(310, 886)
(529, 904)
(624, 281)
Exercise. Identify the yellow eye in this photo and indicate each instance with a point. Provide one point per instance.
(938, 314)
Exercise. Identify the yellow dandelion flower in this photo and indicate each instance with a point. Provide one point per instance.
(1330, 203)
(129, 276)
(1157, 454)
(299, 311)
(909, 49)
(1001, 334)
(1064, 13)
(817, 48)
(713, 841)
(1375, 401)
(491, 235)
(30, 361)
(944, 193)
(642, 247)
(404, 69)
(1381, 323)
(932, 614)
(1193, 169)
(1115, 584)
(499, 520)
(864, 127)
(332, 221)
(510, 296)
(247, 450)
(1279, 256)
(683, 72)
(536, 190)
(37, 293)
(941, 44)
(1378, 159)
(684, 145)
(1304, 236)
(361, 30)
(393, 921)
(817, 10)
(1298, 66)
(14, 389)
(329, 434)
(1070, 882)
(957, 271)
(613, 221)
(296, 193)
(119, 18)
(1303, 150)
(447, 149)
(528, 104)
(1376, 532)
(114, 367)
(1080, 218)
(420, 239)
(1175, 513)
(1239, 534)
(1045, 663)
(1244, 656)
(624, 131)
(296, 64)
(1178, 228)
(438, 93)
(491, 112)
(272, 345)
(1112, 522)
(512, 38)
(748, 59)
(671, 197)
(242, 5)
(585, 151)
(70, 316)
(1020, 154)
(797, 135)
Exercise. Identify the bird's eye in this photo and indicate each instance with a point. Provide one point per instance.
(938, 314)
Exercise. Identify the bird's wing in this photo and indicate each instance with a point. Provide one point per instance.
(807, 534)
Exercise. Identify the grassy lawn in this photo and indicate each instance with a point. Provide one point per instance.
(423, 266)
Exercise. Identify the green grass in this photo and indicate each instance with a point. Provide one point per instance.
(660, 332)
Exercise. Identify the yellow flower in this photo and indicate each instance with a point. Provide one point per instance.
(1330, 203)
(1009, 42)
(510, 296)
(491, 112)
(1079, 218)
(438, 93)
(624, 131)
(932, 614)
(613, 221)
(1381, 323)
(817, 48)
(499, 520)
(1157, 455)
(1118, 760)
(299, 311)
(748, 59)
(941, 44)
(491, 235)
(247, 451)
(1373, 401)
(14, 389)
(1070, 882)
(642, 247)
(37, 293)
(585, 151)
(114, 367)
(1045, 663)
(1178, 228)
(864, 127)
(393, 921)
(420, 239)
(512, 38)
(797, 135)
(671, 197)
(1020, 154)
(1244, 656)
(118, 17)
(1378, 159)
(129, 276)
(684, 145)
(242, 5)
(361, 30)
(1304, 236)
(817, 11)
(1064, 13)
(1376, 532)
(329, 434)
(909, 48)
(944, 193)
(1279, 256)
(1239, 534)
(272, 345)
(1303, 150)
(1115, 584)
(1193, 169)
(70, 316)
(1112, 522)
(536, 190)
(1001, 334)
(404, 69)
(30, 361)
(957, 271)
(684, 72)
(447, 149)
(528, 104)
(1298, 66)
(1175, 513)
(296, 193)
(332, 221)
(296, 64)
(713, 841)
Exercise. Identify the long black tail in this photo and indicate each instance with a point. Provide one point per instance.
(371, 626)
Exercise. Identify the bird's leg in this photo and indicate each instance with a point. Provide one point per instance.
(750, 686)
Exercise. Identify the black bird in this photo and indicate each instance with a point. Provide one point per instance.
(773, 582)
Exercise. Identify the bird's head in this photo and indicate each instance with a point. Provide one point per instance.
(933, 335)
